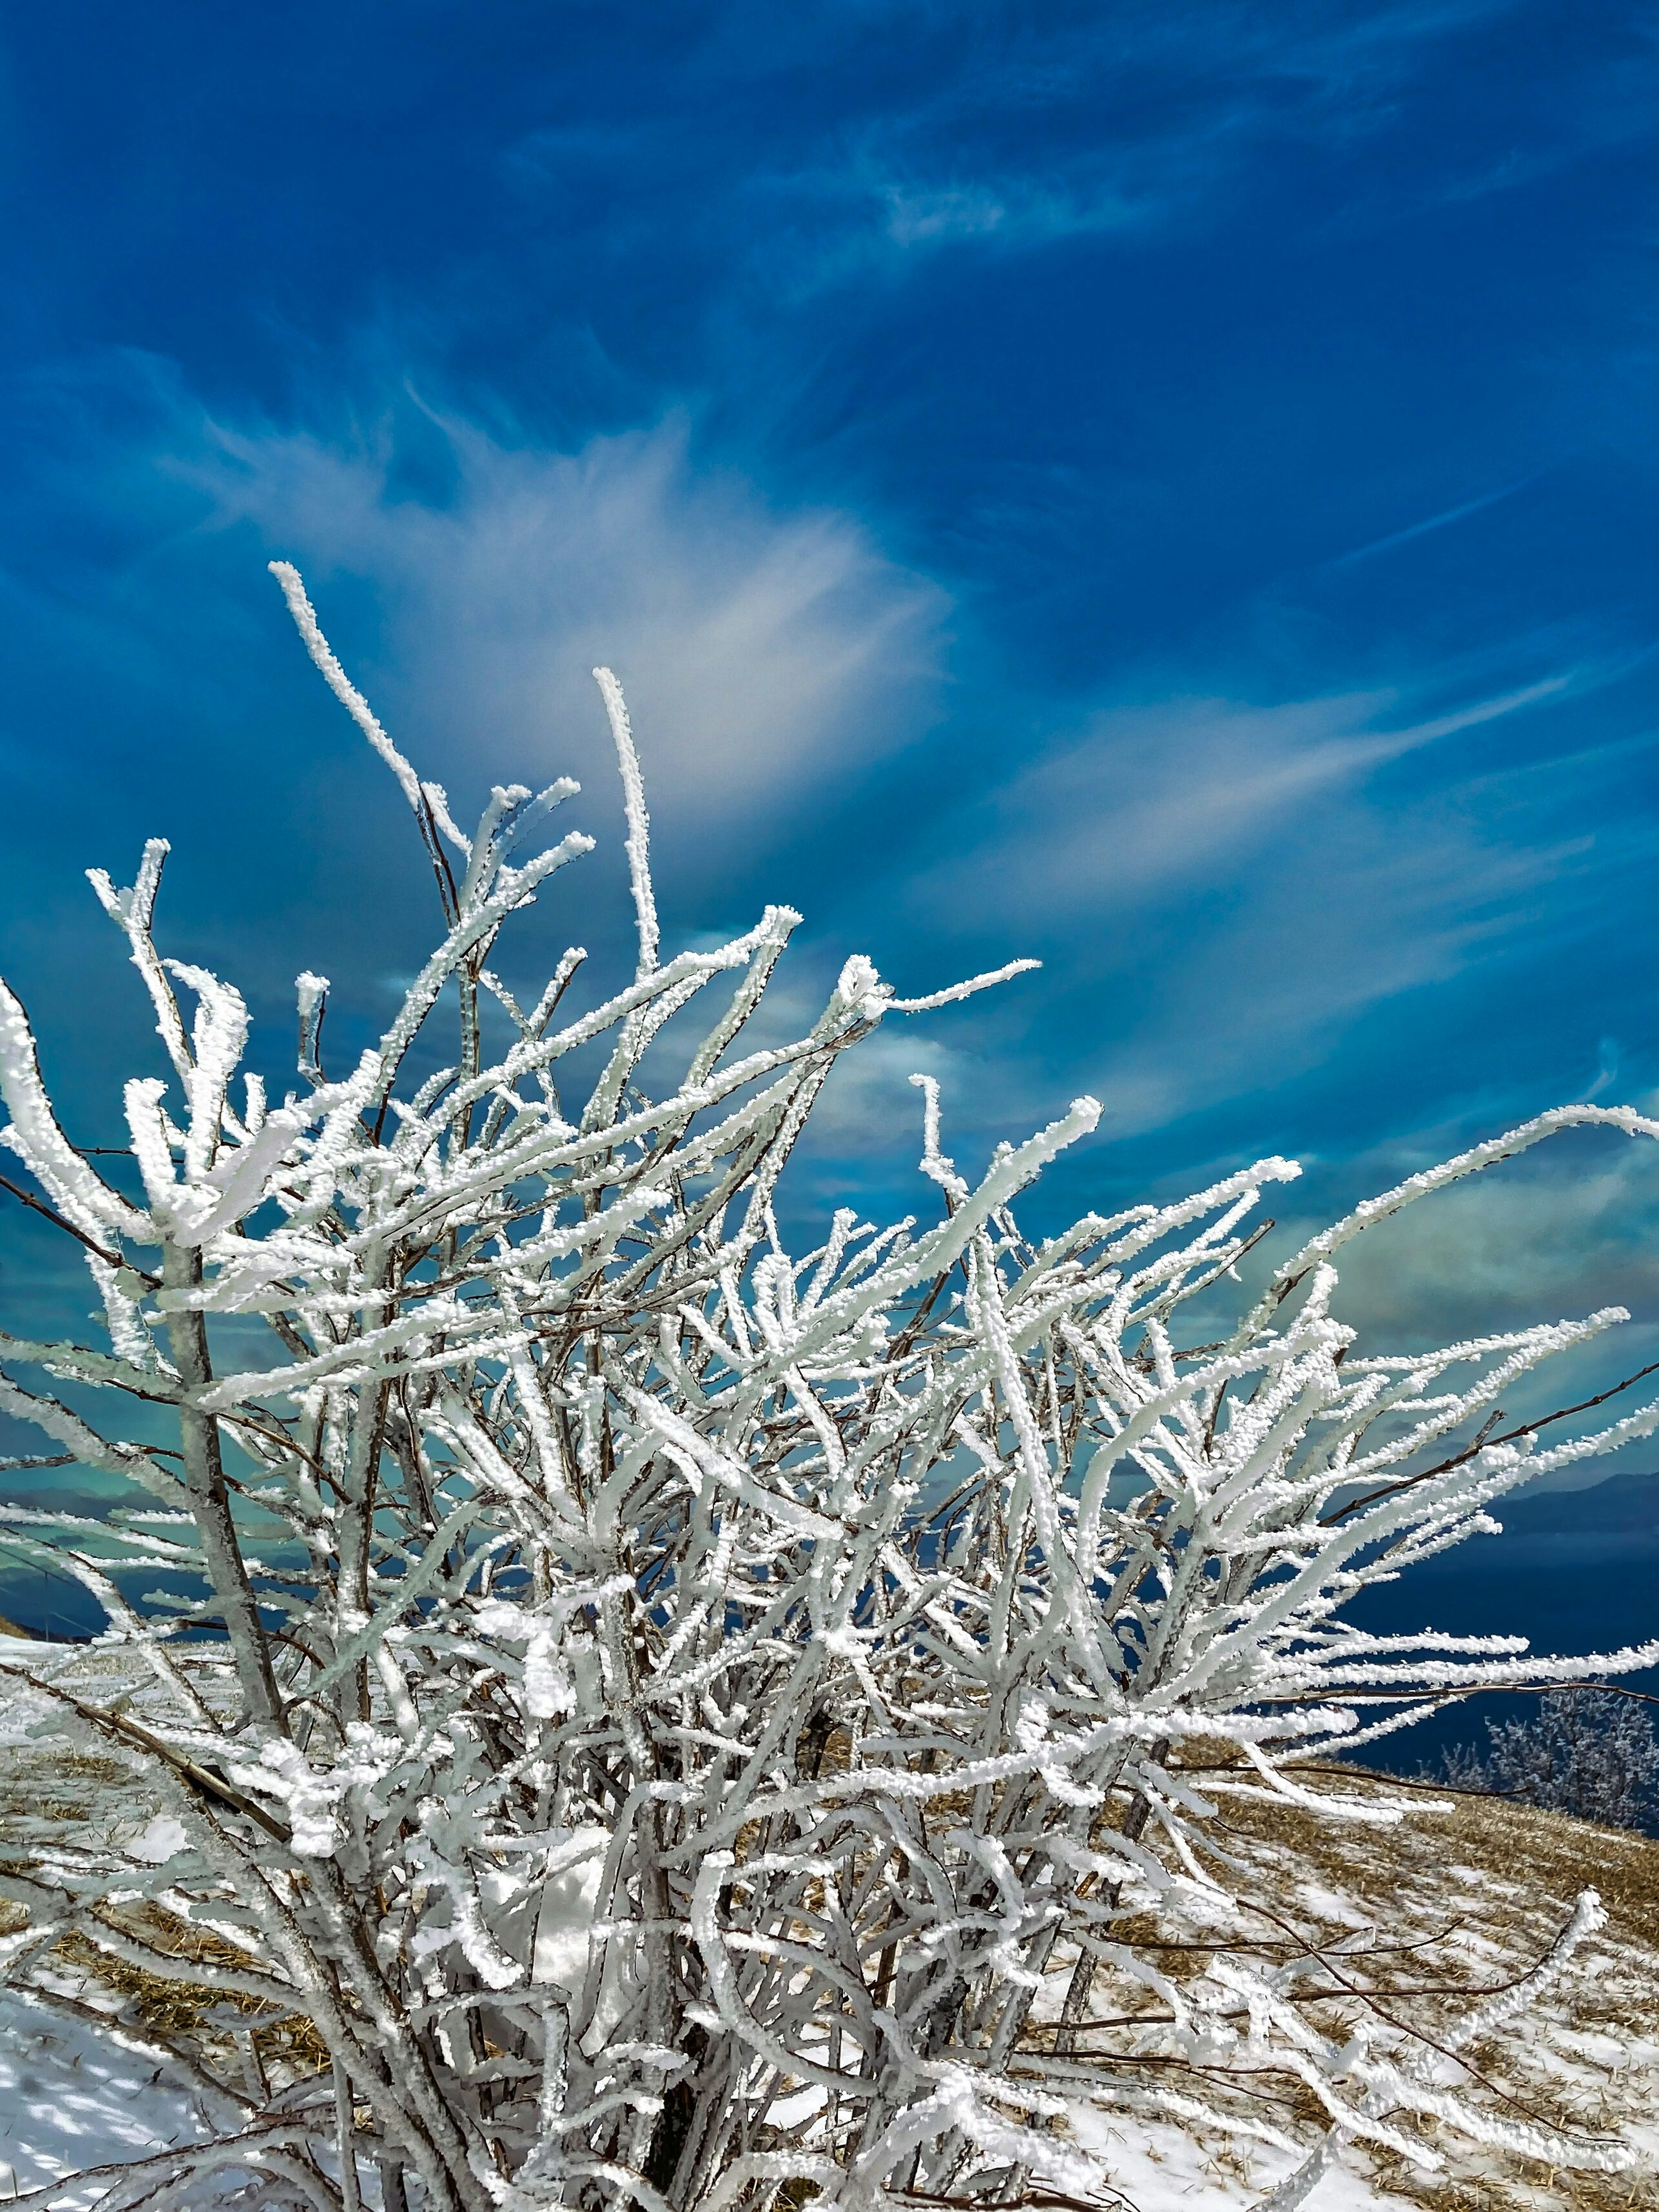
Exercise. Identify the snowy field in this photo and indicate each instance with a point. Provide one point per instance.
(1489, 1883)
(69, 2101)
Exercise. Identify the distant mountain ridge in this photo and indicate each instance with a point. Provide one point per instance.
(1622, 1502)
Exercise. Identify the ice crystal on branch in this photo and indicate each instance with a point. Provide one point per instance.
(647, 1717)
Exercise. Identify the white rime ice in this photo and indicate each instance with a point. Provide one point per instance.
(688, 1724)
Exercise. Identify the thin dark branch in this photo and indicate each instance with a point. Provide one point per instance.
(1029, 2200)
(40, 1206)
(1526, 1428)
(1405, 2027)
(1458, 1697)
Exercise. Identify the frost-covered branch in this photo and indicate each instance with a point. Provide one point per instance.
(678, 1720)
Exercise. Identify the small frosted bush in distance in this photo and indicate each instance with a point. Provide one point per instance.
(1590, 1752)
(612, 1711)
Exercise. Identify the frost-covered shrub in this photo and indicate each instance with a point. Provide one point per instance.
(1587, 1751)
(617, 1711)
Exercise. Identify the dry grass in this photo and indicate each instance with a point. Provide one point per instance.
(56, 1790)
(33, 1798)
(1495, 1881)
(185, 2011)
(178, 2009)
(1553, 1857)
(1498, 1879)
(40, 1794)
(1526, 2185)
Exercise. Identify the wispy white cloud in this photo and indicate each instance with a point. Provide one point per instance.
(763, 652)
(1011, 210)
(899, 217)
(1151, 801)
(883, 210)
(1218, 887)
(1574, 1229)
(1444, 520)
(1126, 125)
(1225, 889)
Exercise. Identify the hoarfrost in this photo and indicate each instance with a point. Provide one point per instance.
(688, 1706)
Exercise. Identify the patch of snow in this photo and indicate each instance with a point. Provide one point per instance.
(1161, 2168)
(564, 1923)
(165, 1835)
(70, 2100)
(22, 1707)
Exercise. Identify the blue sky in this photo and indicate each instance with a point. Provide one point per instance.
(1170, 489)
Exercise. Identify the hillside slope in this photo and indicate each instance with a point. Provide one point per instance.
(1483, 1889)
(1457, 1900)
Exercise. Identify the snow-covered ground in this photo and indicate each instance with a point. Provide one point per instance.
(1483, 1887)
(68, 2101)
(1491, 1884)
(69, 2098)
